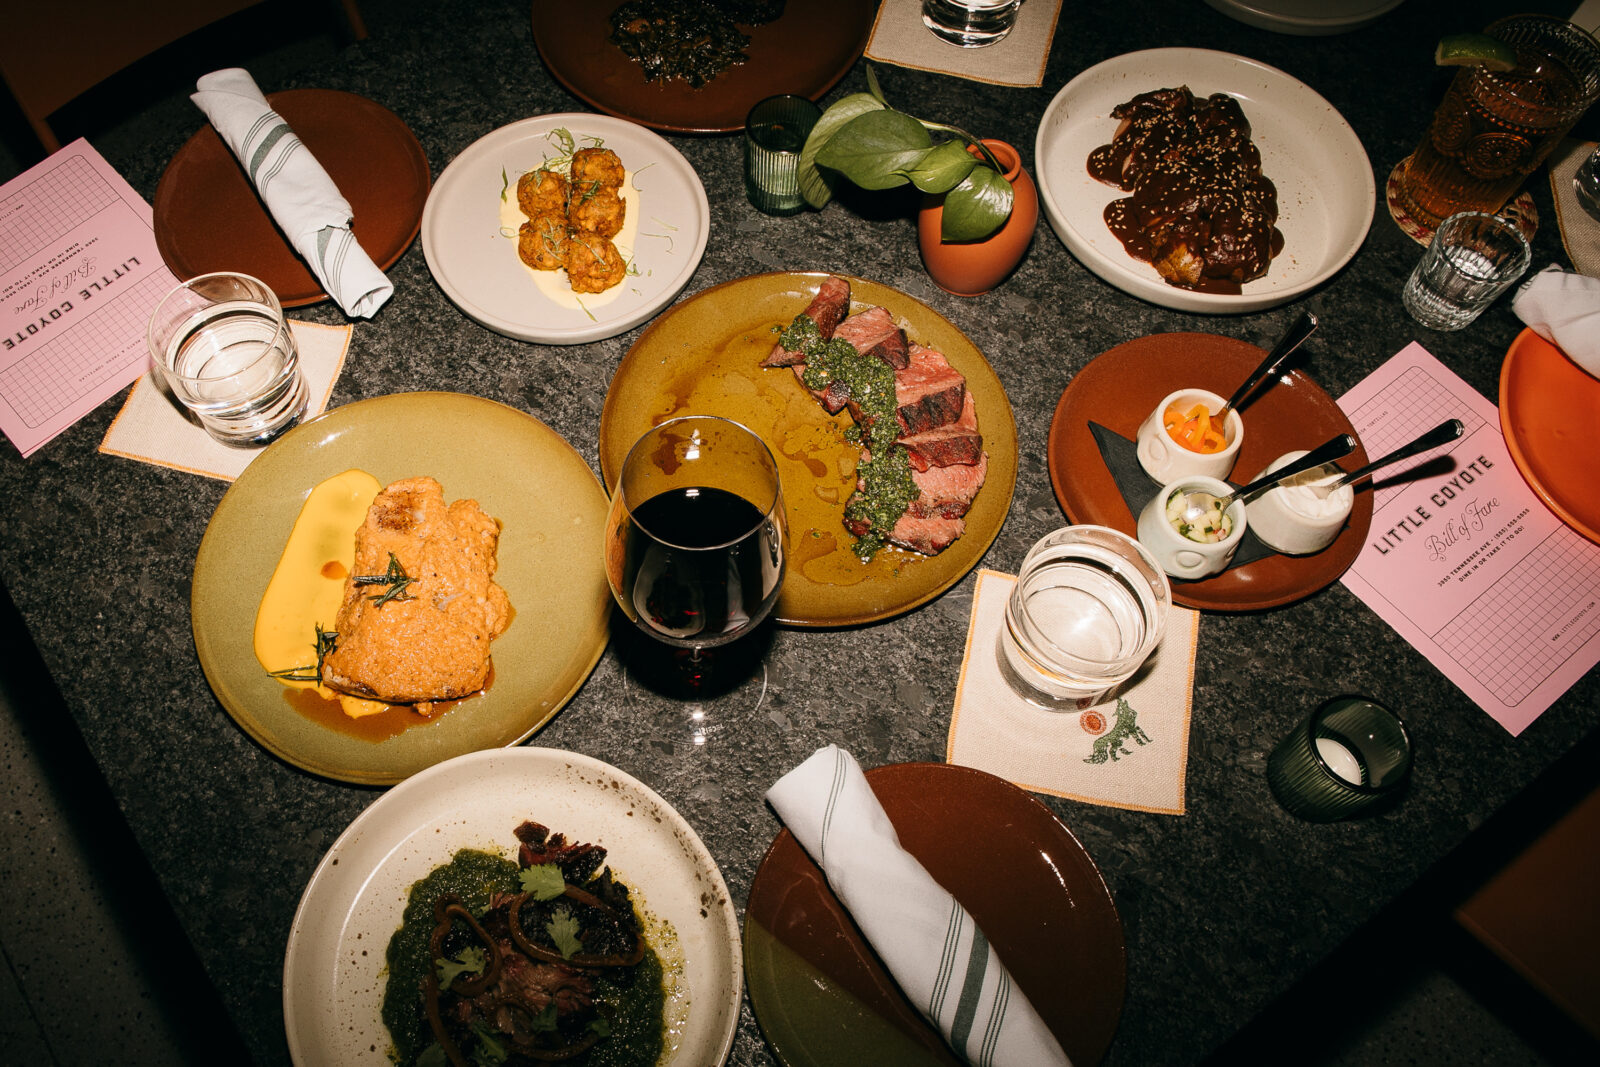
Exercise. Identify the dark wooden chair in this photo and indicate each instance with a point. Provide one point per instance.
(51, 53)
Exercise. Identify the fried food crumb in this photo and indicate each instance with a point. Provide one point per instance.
(572, 218)
(541, 191)
(593, 263)
(542, 241)
(601, 213)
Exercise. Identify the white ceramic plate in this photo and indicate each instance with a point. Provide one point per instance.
(1326, 191)
(334, 972)
(471, 246)
(1306, 18)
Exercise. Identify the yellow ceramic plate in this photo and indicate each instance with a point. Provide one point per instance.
(551, 509)
(701, 358)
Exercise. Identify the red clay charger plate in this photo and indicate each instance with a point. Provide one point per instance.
(804, 51)
(821, 994)
(1124, 384)
(208, 216)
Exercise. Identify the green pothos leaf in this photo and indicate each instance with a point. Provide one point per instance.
(875, 150)
(977, 207)
(942, 167)
(815, 186)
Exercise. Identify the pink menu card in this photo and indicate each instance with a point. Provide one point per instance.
(1462, 558)
(79, 275)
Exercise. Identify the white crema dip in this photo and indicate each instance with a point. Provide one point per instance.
(1300, 516)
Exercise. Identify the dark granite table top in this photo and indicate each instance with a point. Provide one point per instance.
(1223, 908)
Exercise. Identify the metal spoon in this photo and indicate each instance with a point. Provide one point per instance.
(1291, 340)
(1197, 502)
(1441, 434)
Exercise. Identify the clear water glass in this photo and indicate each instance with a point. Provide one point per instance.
(224, 348)
(1586, 184)
(1089, 606)
(1473, 258)
(970, 23)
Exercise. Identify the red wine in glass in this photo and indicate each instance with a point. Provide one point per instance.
(695, 536)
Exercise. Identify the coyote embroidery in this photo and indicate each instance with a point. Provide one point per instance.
(1109, 745)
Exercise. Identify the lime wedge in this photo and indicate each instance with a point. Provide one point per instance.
(1469, 49)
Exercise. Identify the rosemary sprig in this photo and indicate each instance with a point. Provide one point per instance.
(327, 641)
(395, 578)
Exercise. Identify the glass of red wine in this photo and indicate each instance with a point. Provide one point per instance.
(695, 538)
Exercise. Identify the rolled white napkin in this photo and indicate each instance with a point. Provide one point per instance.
(295, 188)
(1564, 309)
(937, 954)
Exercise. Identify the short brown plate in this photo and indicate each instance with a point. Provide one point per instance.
(1124, 384)
(208, 216)
(823, 997)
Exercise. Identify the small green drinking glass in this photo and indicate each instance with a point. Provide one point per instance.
(1345, 759)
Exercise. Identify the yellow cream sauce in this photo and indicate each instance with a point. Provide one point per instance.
(308, 584)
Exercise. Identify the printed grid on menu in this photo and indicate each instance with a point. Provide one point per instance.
(1415, 403)
(51, 204)
(42, 382)
(1541, 585)
(88, 354)
(1555, 580)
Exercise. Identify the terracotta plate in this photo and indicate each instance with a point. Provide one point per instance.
(1549, 410)
(804, 51)
(334, 973)
(552, 512)
(1123, 385)
(700, 358)
(208, 216)
(823, 997)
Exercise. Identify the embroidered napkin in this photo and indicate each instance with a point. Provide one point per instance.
(1564, 309)
(937, 954)
(899, 37)
(1130, 752)
(297, 191)
(1580, 231)
(153, 427)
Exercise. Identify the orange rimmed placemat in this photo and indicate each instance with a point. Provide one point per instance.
(153, 428)
(1130, 752)
(1018, 60)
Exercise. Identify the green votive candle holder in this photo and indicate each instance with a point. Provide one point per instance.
(1345, 759)
(774, 133)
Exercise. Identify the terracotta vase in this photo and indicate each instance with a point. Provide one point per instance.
(970, 268)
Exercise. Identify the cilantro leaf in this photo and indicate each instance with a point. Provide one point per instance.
(600, 1025)
(489, 1050)
(469, 961)
(544, 881)
(563, 931)
(545, 1021)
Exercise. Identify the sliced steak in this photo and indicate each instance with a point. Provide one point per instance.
(827, 309)
(833, 396)
(928, 392)
(874, 333)
(928, 535)
(947, 492)
(949, 445)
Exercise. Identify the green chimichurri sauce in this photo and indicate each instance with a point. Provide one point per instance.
(633, 997)
(887, 487)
